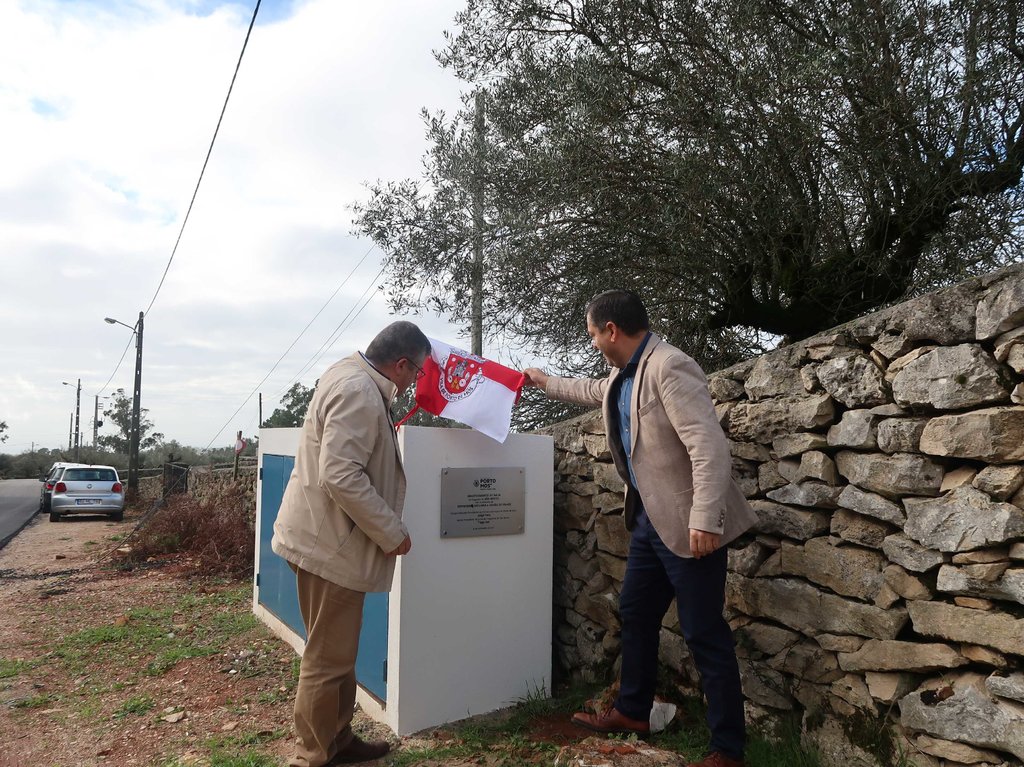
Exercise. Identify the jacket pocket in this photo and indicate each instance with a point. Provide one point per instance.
(647, 407)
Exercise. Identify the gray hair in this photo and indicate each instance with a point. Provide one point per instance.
(399, 339)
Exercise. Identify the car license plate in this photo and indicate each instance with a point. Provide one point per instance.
(88, 501)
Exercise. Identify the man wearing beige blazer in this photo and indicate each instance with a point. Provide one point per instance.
(682, 508)
(340, 529)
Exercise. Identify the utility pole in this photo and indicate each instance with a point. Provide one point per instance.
(260, 422)
(71, 429)
(477, 275)
(78, 412)
(95, 420)
(133, 449)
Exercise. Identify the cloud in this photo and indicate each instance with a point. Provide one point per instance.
(108, 110)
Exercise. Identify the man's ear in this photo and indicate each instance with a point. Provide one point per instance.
(613, 331)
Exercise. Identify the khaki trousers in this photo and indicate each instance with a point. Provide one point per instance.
(326, 693)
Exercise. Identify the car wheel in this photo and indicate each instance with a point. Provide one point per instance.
(117, 516)
(54, 516)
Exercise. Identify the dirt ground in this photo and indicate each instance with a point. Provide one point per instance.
(103, 665)
(75, 704)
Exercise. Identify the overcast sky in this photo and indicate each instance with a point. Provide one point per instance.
(107, 109)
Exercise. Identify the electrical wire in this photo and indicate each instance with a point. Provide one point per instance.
(209, 151)
(195, 192)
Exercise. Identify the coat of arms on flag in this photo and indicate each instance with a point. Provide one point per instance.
(468, 389)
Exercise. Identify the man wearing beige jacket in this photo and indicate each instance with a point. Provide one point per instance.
(682, 507)
(340, 529)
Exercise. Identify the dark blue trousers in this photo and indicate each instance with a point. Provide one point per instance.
(654, 575)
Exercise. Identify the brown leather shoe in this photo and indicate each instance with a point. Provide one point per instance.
(360, 751)
(611, 720)
(717, 759)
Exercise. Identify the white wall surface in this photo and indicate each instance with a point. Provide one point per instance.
(470, 618)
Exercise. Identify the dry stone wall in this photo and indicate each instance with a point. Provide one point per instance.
(885, 461)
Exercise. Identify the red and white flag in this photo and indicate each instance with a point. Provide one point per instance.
(468, 389)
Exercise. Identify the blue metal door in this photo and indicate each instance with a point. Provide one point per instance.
(276, 585)
(276, 581)
(371, 663)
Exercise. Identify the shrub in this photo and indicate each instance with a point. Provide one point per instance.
(216, 536)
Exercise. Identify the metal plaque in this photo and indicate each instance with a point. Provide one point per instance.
(483, 501)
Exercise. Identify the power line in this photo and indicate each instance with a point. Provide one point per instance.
(116, 367)
(209, 151)
(372, 284)
(195, 192)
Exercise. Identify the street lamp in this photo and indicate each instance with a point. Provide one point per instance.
(78, 411)
(134, 437)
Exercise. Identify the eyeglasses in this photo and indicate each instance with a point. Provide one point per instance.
(420, 372)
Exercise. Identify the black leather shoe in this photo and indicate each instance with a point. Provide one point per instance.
(360, 751)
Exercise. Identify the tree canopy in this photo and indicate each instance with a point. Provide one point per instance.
(293, 408)
(754, 169)
(119, 411)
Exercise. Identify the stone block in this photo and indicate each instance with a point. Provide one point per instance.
(764, 686)
(959, 580)
(854, 380)
(892, 655)
(808, 662)
(606, 476)
(971, 716)
(775, 375)
(856, 429)
(982, 556)
(962, 520)
(847, 570)
(951, 378)
(612, 536)
(893, 475)
(747, 560)
(597, 447)
(871, 505)
(612, 566)
(911, 555)
(789, 445)
(902, 361)
(789, 470)
(749, 451)
(770, 568)
(900, 435)
(994, 435)
(810, 494)
(840, 642)
(964, 475)
(1017, 551)
(759, 640)
(852, 689)
(806, 609)
(724, 389)
(1000, 482)
(975, 603)
(817, 465)
(905, 584)
(983, 656)
(857, 528)
(1006, 342)
(961, 624)
(763, 421)
(1009, 686)
(768, 477)
(952, 751)
(790, 522)
(888, 687)
(1001, 308)
(607, 503)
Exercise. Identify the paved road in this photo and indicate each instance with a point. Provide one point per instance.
(19, 501)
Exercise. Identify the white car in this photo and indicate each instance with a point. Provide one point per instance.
(87, 490)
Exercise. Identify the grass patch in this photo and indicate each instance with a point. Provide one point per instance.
(134, 706)
(155, 640)
(11, 668)
(36, 701)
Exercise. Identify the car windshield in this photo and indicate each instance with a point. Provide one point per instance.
(90, 475)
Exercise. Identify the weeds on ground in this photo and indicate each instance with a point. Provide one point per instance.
(217, 536)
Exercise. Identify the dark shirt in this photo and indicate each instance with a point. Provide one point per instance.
(621, 399)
